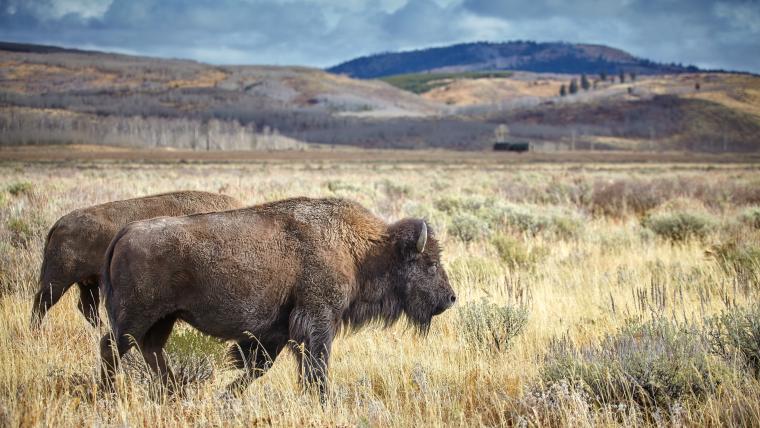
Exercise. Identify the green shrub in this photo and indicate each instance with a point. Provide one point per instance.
(188, 343)
(18, 225)
(739, 257)
(481, 272)
(515, 253)
(490, 326)
(190, 355)
(418, 209)
(532, 219)
(529, 219)
(751, 217)
(337, 186)
(621, 197)
(449, 205)
(566, 226)
(20, 188)
(468, 227)
(525, 219)
(453, 205)
(616, 240)
(735, 335)
(394, 190)
(679, 226)
(652, 364)
(21, 231)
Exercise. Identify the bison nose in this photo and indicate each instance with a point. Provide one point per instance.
(452, 298)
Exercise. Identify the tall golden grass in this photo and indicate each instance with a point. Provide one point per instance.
(554, 240)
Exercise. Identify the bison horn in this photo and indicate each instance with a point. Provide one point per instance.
(423, 238)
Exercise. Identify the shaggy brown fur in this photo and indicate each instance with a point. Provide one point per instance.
(291, 271)
(76, 243)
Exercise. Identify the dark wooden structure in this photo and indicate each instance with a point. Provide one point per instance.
(516, 146)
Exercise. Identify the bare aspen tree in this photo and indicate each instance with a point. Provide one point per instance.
(501, 133)
(572, 140)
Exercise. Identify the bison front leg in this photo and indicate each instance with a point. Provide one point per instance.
(89, 297)
(312, 334)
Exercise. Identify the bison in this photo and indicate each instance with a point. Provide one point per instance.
(289, 273)
(76, 243)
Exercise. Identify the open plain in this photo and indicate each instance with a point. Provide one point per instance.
(590, 293)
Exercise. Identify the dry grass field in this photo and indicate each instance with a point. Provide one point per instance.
(589, 294)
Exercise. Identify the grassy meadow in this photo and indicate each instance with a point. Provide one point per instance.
(420, 83)
(588, 294)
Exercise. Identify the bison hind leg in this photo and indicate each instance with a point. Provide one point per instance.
(256, 357)
(123, 337)
(89, 297)
(111, 352)
(49, 293)
(152, 348)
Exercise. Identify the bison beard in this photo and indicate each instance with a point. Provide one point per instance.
(288, 273)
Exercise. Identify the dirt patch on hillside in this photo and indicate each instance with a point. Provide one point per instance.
(489, 91)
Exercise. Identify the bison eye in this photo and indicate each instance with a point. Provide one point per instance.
(432, 269)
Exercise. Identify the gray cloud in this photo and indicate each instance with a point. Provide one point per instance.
(714, 34)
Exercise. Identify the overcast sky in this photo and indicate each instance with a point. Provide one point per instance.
(711, 34)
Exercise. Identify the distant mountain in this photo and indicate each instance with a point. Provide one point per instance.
(518, 55)
(31, 48)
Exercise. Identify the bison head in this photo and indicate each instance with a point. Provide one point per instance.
(421, 281)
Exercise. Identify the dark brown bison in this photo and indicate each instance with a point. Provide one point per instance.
(76, 243)
(286, 272)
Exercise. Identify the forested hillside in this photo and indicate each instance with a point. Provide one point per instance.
(517, 55)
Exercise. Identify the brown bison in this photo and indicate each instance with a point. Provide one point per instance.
(287, 272)
(77, 241)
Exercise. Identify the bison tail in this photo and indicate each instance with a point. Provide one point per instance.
(236, 354)
(106, 290)
(45, 258)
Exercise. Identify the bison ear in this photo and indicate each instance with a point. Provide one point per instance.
(411, 237)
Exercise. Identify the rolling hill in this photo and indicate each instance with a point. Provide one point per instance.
(51, 95)
(55, 95)
(50, 73)
(518, 55)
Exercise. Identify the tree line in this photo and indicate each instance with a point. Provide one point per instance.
(26, 126)
(586, 84)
